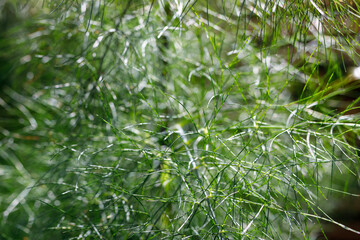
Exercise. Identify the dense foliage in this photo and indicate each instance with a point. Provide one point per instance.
(177, 119)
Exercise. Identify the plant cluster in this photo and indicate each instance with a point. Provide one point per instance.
(177, 119)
